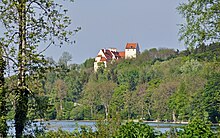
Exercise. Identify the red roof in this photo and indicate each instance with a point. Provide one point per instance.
(108, 55)
(103, 59)
(131, 46)
(121, 54)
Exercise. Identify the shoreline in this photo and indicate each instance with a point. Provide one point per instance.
(135, 120)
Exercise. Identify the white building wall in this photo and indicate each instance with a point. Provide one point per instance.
(96, 65)
(130, 53)
(101, 53)
(97, 59)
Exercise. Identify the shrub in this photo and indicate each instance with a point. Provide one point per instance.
(198, 128)
(135, 130)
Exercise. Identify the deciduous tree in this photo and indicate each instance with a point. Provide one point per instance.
(202, 22)
(27, 23)
(106, 90)
(3, 113)
(90, 96)
(211, 97)
(61, 91)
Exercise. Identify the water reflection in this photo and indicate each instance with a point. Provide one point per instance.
(73, 125)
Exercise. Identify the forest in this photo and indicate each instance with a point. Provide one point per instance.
(161, 84)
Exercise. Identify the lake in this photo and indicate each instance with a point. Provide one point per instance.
(72, 125)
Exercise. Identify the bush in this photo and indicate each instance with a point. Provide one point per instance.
(198, 128)
(135, 130)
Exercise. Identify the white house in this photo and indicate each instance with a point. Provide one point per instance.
(107, 55)
(132, 50)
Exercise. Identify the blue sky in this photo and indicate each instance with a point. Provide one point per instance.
(113, 23)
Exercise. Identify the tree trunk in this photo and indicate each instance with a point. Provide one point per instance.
(148, 112)
(106, 112)
(22, 92)
(61, 106)
(91, 111)
(129, 112)
(3, 113)
(174, 116)
(142, 112)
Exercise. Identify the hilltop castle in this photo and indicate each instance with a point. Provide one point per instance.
(107, 55)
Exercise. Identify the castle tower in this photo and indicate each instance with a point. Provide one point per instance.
(132, 50)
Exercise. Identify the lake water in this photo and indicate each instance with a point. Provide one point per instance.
(72, 125)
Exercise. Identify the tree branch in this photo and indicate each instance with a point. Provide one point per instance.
(46, 47)
(11, 60)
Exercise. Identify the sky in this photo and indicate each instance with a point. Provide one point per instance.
(113, 23)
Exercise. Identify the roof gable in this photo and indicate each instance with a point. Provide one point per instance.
(121, 54)
(103, 59)
(131, 46)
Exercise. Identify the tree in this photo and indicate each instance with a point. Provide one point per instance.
(135, 130)
(118, 99)
(202, 22)
(90, 96)
(129, 77)
(160, 99)
(3, 113)
(179, 103)
(64, 59)
(27, 23)
(89, 63)
(198, 128)
(211, 97)
(106, 90)
(141, 100)
(61, 91)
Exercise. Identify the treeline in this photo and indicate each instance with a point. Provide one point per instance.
(161, 84)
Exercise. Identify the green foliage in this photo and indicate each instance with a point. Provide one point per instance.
(21, 111)
(135, 130)
(209, 52)
(179, 103)
(160, 100)
(130, 77)
(159, 84)
(191, 66)
(108, 128)
(80, 132)
(202, 24)
(101, 67)
(198, 128)
(118, 100)
(64, 59)
(23, 20)
(89, 63)
(56, 134)
(171, 89)
(3, 110)
(211, 97)
(172, 133)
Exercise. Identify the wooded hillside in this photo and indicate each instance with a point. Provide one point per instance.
(161, 84)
